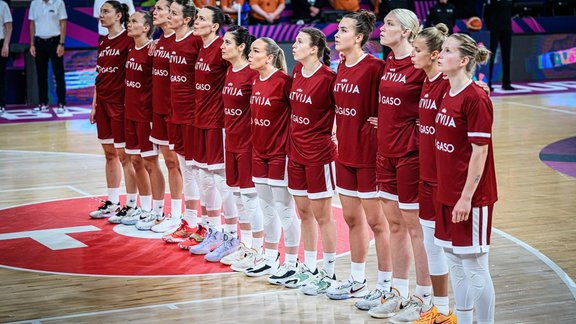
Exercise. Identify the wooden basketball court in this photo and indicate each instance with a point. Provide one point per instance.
(532, 257)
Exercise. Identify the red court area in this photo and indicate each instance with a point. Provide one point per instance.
(60, 237)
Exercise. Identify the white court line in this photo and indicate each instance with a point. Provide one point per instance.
(82, 192)
(540, 107)
(170, 306)
(36, 188)
(50, 153)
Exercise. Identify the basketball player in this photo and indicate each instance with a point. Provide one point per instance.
(270, 110)
(397, 165)
(427, 46)
(466, 179)
(356, 98)
(161, 109)
(138, 119)
(208, 157)
(237, 118)
(108, 110)
(311, 178)
(184, 53)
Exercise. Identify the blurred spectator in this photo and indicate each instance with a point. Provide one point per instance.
(5, 35)
(442, 12)
(47, 35)
(266, 12)
(96, 13)
(498, 19)
(203, 3)
(385, 6)
(231, 7)
(346, 5)
(465, 8)
(307, 10)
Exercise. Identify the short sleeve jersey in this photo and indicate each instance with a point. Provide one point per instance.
(399, 91)
(270, 108)
(312, 116)
(5, 17)
(432, 93)
(111, 67)
(161, 75)
(138, 99)
(210, 74)
(463, 119)
(47, 16)
(182, 81)
(356, 97)
(236, 95)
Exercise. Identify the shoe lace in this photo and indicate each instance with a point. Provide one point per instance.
(105, 204)
(123, 210)
(374, 294)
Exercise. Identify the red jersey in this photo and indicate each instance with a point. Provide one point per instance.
(399, 91)
(138, 100)
(236, 96)
(464, 118)
(182, 82)
(270, 108)
(111, 62)
(356, 97)
(432, 93)
(161, 75)
(210, 74)
(312, 118)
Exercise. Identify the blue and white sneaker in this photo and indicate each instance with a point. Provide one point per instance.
(132, 216)
(229, 245)
(209, 244)
(348, 289)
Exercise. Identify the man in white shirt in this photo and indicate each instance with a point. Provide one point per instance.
(47, 36)
(98, 3)
(5, 34)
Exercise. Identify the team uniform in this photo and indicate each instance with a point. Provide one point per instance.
(433, 91)
(209, 120)
(111, 68)
(355, 91)
(184, 54)
(138, 102)
(161, 99)
(397, 161)
(270, 109)
(312, 151)
(464, 118)
(236, 96)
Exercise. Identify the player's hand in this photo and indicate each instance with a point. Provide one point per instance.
(484, 86)
(461, 211)
(152, 47)
(93, 114)
(373, 121)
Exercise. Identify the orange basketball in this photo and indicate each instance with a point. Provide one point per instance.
(474, 24)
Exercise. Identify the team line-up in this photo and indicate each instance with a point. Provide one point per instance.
(405, 142)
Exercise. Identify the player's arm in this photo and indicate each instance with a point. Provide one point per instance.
(475, 169)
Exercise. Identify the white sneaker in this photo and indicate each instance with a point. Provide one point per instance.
(249, 261)
(132, 216)
(371, 300)
(392, 304)
(410, 312)
(321, 283)
(348, 289)
(285, 273)
(168, 225)
(107, 209)
(147, 220)
(120, 214)
(263, 267)
(236, 256)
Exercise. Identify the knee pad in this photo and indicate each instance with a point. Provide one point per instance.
(189, 184)
(211, 195)
(437, 263)
(243, 218)
(229, 205)
(254, 211)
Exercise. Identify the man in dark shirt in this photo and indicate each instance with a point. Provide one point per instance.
(307, 10)
(442, 12)
(498, 19)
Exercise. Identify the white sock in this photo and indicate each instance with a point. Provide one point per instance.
(425, 293)
(358, 271)
(215, 222)
(158, 206)
(465, 317)
(231, 229)
(258, 244)
(310, 260)
(402, 286)
(176, 207)
(384, 280)
(328, 263)
(191, 217)
(246, 238)
(114, 195)
(291, 259)
(442, 304)
(271, 255)
(131, 199)
(146, 203)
